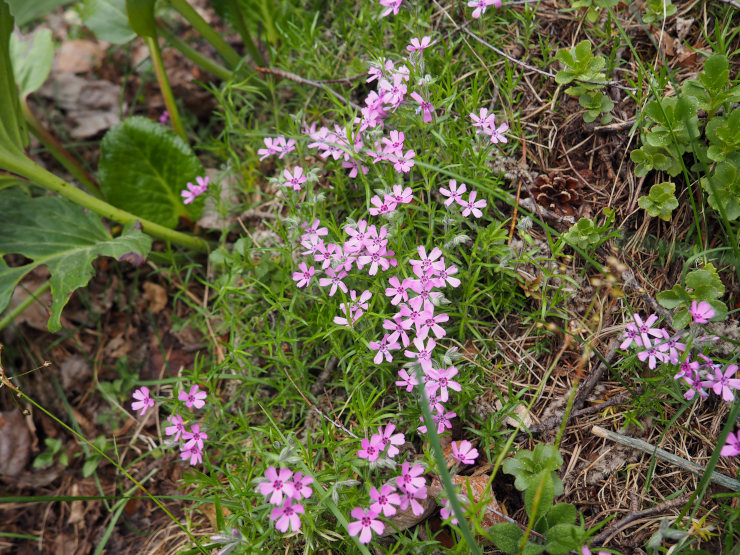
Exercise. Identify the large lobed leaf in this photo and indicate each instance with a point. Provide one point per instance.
(143, 169)
(64, 237)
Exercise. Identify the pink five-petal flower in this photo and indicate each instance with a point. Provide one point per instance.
(484, 121)
(295, 179)
(358, 237)
(694, 381)
(586, 551)
(393, 93)
(195, 454)
(164, 118)
(417, 45)
(302, 486)
(723, 384)
(381, 206)
(701, 312)
(687, 368)
(426, 108)
(195, 437)
(284, 147)
(424, 354)
(193, 397)
(392, 5)
(343, 259)
(177, 428)
(365, 524)
(444, 274)
(371, 448)
(335, 280)
(404, 164)
(375, 259)
(428, 262)
(192, 192)
(383, 348)
(277, 484)
(646, 328)
(394, 143)
(732, 446)
(271, 147)
(398, 290)
(446, 511)
(672, 345)
(413, 310)
(390, 440)
(401, 195)
(442, 419)
(398, 328)
(411, 498)
(497, 134)
(384, 500)
(313, 231)
(472, 206)
(652, 355)
(311, 246)
(631, 334)
(143, 402)
(325, 254)
(287, 515)
(408, 380)
(441, 379)
(411, 478)
(454, 193)
(430, 322)
(303, 277)
(465, 453)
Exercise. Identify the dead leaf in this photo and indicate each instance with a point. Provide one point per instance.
(75, 372)
(478, 487)
(132, 505)
(521, 412)
(66, 544)
(403, 520)
(15, 443)
(77, 512)
(117, 347)
(155, 296)
(683, 26)
(666, 42)
(209, 509)
(79, 56)
(36, 315)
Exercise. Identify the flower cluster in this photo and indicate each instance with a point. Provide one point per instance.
(283, 487)
(486, 123)
(194, 191)
(279, 145)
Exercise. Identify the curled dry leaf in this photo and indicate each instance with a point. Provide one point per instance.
(15, 443)
(478, 485)
(155, 297)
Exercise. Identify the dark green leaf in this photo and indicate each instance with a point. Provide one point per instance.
(672, 298)
(108, 20)
(141, 17)
(681, 320)
(90, 466)
(562, 513)
(506, 536)
(563, 538)
(143, 169)
(541, 495)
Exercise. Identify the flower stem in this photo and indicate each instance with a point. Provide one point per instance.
(192, 54)
(28, 301)
(48, 180)
(164, 86)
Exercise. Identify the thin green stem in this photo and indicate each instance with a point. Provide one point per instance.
(48, 180)
(535, 508)
(164, 86)
(28, 301)
(230, 56)
(63, 156)
(193, 55)
(240, 24)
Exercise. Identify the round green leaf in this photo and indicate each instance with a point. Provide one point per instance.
(143, 169)
(108, 20)
(506, 536)
(32, 58)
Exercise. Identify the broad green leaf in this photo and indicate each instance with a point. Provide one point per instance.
(563, 538)
(681, 320)
(108, 20)
(43, 460)
(141, 17)
(716, 72)
(25, 11)
(562, 513)
(706, 293)
(697, 278)
(546, 493)
(720, 310)
(32, 58)
(506, 536)
(61, 235)
(672, 298)
(12, 131)
(90, 466)
(533, 549)
(143, 169)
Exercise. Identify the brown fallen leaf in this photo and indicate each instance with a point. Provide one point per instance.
(77, 512)
(478, 489)
(155, 297)
(15, 443)
(36, 315)
(209, 509)
(79, 56)
(403, 520)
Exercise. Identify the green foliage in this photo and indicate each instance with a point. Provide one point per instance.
(596, 103)
(32, 60)
(119, 388)
(108, 20)
(25, 11)
(713, 88)
(724, 189)
(143, 168)
(701, 285)
(657, 10)
(13, 137)
(61, 235)
(593, 7)
(585, 234)
(141, 17)
(580, 65)
(46, 459)
(93, 459)
(649, 157)
(724, 135)
(661, 201)
(527, 466)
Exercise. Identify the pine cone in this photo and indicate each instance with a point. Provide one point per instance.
(557, 193)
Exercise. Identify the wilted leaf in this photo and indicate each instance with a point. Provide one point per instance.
(15, 443)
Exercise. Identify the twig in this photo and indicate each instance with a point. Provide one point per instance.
(324, 376)
(731, 3)
(302, 81)
(595, 376)
(607, 534)
(645, 447)
(612, 127)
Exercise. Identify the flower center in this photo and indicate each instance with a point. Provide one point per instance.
(382, 500)
(443, 382)
(365, 521)
(278, 484)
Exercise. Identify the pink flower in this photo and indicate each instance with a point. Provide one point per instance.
(195, 454)
(144, 400)
(687, 369)
(672, 345)
(365, 524)
(631, 333)
(343, 259)
(497, 134)
(311, 245)
(723, 384)
(410, 498)
(356, 307)
(393, 93)
(701, 312)
(444, 420)
(694, 381)
(302, 486)
(389, 440)
(732, 446)
(386, 66)
(472, 206)
(586, 551)
(445, 275)
(194, 397)
(411, 478)
(374, 259)
(277, 484)
(398, 327)
(272, 147)
(415, 45)
(430, 322)
(384, 500)
(485, 120)
(394, 143)
(424, 356)
(303, 278)
(652, 355)
(446, 511)
(371, 448)
(426, 107)
(398, 290)
(428, 262)
(441, 380)
(454, 194)
(177, 427)
(285, 146)
(645, 328)
(335, 280)
(355, 168)
(413, 310)
(194, 190)
(392, 5)
(324, 254)
(381, 206)
(287, 515)
(378, 240)
(401, 195)
(466, 454)
(164, 118)
(313, 231)
(407, 380)
(383, 348)
(404, 164)
(359, 237)
(195, 436)
(295, 179)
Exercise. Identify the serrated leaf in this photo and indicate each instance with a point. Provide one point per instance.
(507, 536)
(108, 20)
(143, 169)
(32, 57)
(60, 235)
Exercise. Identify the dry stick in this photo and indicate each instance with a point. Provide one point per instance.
(302, 81)
(645, 447)
(595, 376)
(607, 534)
(731, 3)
